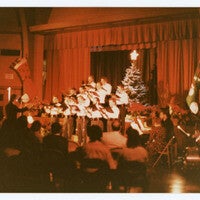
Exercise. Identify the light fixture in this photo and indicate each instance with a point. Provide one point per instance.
(30, 119)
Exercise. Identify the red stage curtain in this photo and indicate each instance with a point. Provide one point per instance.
(66, 68)
(68, 54)
(176, 62)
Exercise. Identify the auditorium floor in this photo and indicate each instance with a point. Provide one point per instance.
(175, 180)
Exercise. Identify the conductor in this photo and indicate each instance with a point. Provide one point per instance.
(12, 109)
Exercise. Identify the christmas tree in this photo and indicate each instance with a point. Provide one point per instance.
(134, 84)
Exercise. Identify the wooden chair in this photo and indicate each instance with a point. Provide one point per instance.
(54, 164)
(95, 175)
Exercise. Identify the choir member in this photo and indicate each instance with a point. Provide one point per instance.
(105, 85)
(91, 85)
(81, 120)
(112, 112)
(95, 114)
(122, 100)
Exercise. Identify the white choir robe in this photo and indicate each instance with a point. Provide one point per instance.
(95, 114)
(114, 114)
(93, 86)
(122, 98)
(121, 102)
(86, 102)
(95, 118)
(111, 116)
(81, 123)
(68, 124)
(108, 88)
(102, 95)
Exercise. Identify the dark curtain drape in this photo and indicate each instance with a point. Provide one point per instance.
(111, 64)
(176, 44)
(147, 62)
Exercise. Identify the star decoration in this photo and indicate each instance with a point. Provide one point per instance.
(134, 55)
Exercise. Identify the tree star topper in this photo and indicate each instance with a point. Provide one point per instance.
(134, 55)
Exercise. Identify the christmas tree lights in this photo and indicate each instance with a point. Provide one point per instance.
(133, 82)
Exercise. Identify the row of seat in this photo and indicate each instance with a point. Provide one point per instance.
(55, 174)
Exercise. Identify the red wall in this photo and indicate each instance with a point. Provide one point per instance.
(8, 77)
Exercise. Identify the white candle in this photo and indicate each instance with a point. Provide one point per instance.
(9, 93)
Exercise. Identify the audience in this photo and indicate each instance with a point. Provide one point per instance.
(95, 149)
(167, 123)
(134, 151)
(55, 140)
(131, 169)
(114, 139)
(25, 139)
(28, 143)
(36, 130)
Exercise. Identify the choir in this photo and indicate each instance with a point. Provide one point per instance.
(93, 103)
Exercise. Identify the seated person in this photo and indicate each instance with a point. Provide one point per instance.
(167, 123)
(114, 139)
(95, 149)
(134, 151)
(131, 170)
(55, 141)
(36, 131)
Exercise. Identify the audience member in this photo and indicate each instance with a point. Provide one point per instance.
(36, 130)
(23, 137)
(167, 123)
(95, 149)
(134, 151)
(131, 169)
(55, 140)
(23, 140)
(114, 138)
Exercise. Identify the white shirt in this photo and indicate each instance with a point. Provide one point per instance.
(114, 114)
(108, 88)
(91, 86)
(82, 111)
(94, 114)
(86, 99)
(97, 150)
(114, 139)
(122, 98)
(102, 95)
(67, 112)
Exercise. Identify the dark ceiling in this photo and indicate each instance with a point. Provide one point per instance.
(44, 20)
